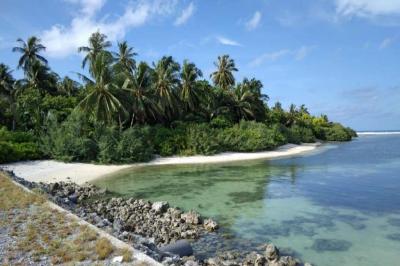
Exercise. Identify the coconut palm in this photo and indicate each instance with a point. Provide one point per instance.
(166, 82)
(243, 103)
(39, 77)
(143, 107)
(68, 86)
(125, 57)
(189, 93)
(7, 89)
(6, 80)
(223, 76)
(97, 44)
(100, 101)
(30, 52)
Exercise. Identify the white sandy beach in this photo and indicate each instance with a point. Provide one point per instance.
(52, 171)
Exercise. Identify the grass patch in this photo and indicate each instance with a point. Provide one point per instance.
(103, 248)
(41, 231)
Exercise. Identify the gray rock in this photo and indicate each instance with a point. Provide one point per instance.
(272, 253)
(160, 206)
(191, 217)
(210, 225)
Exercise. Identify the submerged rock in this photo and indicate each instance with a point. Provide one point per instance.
(322, 245)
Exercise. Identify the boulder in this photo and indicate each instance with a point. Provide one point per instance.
(272, 253)
(160, 206)
(191, 217)
(210, 225)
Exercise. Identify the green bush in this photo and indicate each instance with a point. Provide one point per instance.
(135, 145)
(16, 136)
(169, 141)
(250, 136)
(107, 141)
(11, 152)
(69, 141)
(297, 135)
(337, 133)
(7, 153)
(221, 122)
(17, 146)
(201, 139)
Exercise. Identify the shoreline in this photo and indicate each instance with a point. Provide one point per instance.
(50, 171)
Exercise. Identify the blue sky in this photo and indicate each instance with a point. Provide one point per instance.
(339, 57)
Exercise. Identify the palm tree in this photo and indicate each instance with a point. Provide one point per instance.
(166, 82)
(291, 115)
(243, 103)
(6, 80)
(30, 52)
(223, 76)
(189, 93)
(7, 90)
(39, 77)
(143, 107)
(68, 86)
(124, 57)
(97, 44)
(100, 101)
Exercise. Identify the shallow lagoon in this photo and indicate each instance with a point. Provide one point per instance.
(340, 206)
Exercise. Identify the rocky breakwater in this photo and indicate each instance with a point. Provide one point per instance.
(148, 226)
(157, 220)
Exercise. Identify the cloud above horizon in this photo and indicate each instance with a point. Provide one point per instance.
(297, 54)
(185, 15)
(61, 40)
(226, 41)
(254, 21)
(386, 43)
(367, 8)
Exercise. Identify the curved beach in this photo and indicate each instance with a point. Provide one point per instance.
(49, 171)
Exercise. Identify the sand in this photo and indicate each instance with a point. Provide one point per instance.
(53, 171)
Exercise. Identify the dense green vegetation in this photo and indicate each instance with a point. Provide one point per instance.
(127, 111)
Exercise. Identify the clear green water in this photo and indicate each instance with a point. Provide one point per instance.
(340, 206)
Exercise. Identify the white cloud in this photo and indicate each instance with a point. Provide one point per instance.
(254, 21)
(185, 15)
(386, 43)
(302, 52)
(296, 54)
(226, 41)
(269, 57)
(367, 8)
(61, 41)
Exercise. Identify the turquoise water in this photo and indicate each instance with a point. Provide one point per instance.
(340, 206)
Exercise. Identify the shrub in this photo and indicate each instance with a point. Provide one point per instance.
(337, 133)
(69, 141)
(135, 145)
(220, 122)
(297, 135)
(169, 141)
(107, 141)
(16, 146)
(201, 139)
(16, 136)
(251, 136)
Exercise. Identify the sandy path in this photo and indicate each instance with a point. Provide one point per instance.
(53, 171)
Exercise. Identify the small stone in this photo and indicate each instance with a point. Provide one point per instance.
(160, 206)
(117, 259)
(210, 225)
(272, 253)
(191, 217)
